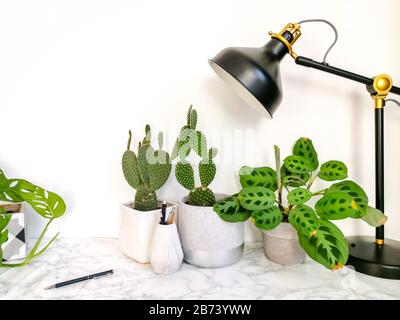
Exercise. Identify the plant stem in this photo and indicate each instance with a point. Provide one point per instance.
(278, 175)
(319, 193)
(32, 253)
(312, 179)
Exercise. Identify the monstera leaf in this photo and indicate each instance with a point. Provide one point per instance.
(374, 217)
(356, 192)
(297, 164)
(46, 203)
(304, 220)
(10, 191)
(256, 198)
(258, 177)
(3, 181)
(327, 246)
(290, 179)
(185, 175)
(299, 196)
(267, 219)
(333, 170)
(336, 205)
(304, 148)
(230, 210)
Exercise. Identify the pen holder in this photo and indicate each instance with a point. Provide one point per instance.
(166, 253)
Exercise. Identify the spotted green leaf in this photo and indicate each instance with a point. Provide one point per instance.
(327, 246)
(290, 179)
(304, 220)
(267, 219)
(304, 148)
(333, 170)
(374, 217)
(230, 210)
(356, 192)
(336, 205)
(258, 177)
(256, 198)
(297, 164)
(299, 196)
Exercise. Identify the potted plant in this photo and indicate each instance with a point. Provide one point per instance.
(146, 172)
(46, 203)
(207, 241)
(292, 228)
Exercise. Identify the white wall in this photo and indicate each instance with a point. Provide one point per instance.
(76, 75)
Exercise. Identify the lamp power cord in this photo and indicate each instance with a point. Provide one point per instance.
(334, 30)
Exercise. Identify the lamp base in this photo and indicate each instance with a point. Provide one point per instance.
(376, 260)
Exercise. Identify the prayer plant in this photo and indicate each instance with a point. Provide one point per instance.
(262, 200)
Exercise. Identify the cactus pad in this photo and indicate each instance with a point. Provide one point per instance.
(202, 197)
(207, 171)
(145, 199)
(184, 174)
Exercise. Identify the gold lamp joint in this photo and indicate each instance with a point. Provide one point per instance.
(381, 86)
(294, 29)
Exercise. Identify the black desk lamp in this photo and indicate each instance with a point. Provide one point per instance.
(254, 75)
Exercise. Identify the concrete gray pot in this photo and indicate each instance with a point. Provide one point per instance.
(207, 240)
(281, 245)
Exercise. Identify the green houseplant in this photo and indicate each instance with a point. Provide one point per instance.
(46, 203)
(146, 171)
(207, 241)
(262, 199)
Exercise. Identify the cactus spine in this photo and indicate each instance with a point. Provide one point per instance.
(146, 171)
(190, 139)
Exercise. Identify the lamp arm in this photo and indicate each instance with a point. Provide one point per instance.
(307, 62)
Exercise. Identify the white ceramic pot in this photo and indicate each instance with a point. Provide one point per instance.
(207, 240)
(281, 245)
(137, 228)
(166, 253)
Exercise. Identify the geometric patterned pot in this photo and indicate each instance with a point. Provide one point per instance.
(15, 246)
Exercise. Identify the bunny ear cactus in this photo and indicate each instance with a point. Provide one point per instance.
(191, 139)
(47, 204)
(147, 171)
(261, 199)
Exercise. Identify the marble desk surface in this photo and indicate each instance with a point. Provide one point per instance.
(253, 277)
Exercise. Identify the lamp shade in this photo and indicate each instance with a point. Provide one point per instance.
(253, 73)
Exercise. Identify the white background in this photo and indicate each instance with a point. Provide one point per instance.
(76, 75)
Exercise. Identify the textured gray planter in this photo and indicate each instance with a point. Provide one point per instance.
(207, 240)
(281, 245)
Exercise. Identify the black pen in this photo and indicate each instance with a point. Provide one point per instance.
(92, 276)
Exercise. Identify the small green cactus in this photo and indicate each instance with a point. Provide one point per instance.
(189, 139)
(147, 171)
